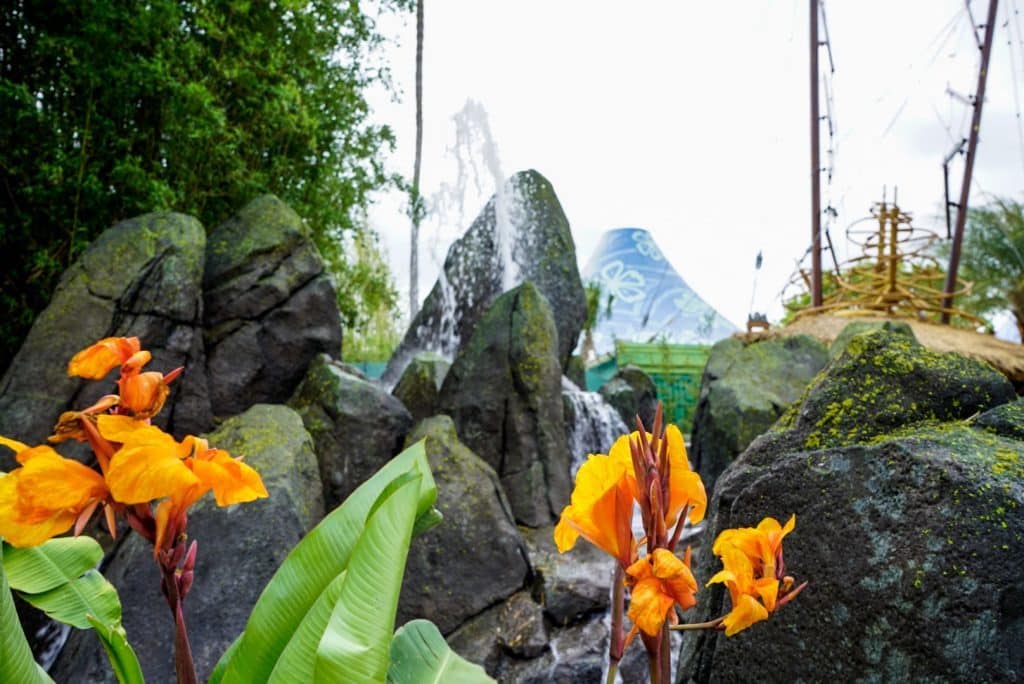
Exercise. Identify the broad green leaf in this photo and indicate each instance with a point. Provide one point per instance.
(50, 565)
(311, 566)
(420, 655)
(90, 594)
(16, 661)
(298, 660)
(119, 652)
(354, 647)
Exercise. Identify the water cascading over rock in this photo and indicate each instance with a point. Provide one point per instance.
(591, 424)
(521, 235)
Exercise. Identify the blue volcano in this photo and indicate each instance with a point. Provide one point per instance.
(650, 302)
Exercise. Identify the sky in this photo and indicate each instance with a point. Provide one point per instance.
(691, 119)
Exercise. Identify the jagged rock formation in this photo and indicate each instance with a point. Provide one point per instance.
(632, 393)
(420, 385)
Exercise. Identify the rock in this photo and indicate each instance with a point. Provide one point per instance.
(632, 393)
(356, 425)
(909, 523)
(744, 390)
(576, 371)
(522, 633)
(420, 384)
(475, 557)
(1006, 420)
(269, 306)
(139, 278)
(475, 274)
(575, 585)
(504, 394)
(838, 345)
(240, 548)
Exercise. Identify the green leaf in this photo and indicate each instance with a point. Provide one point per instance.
(310, 568)
(420, 655)
(16, 661)
(354, 647)
(298, 660)
(58, 578)
(122, 657)
(53, 564)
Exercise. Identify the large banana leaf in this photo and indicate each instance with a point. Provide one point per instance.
(298, 660)
(354, 647)
(16, 661)
(420, 655)
(313, 565)
(58, 578)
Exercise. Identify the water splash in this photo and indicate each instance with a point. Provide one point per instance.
(592, 425)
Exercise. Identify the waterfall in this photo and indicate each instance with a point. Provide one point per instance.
(591, 424)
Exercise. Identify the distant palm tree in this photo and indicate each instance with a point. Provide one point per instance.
(417, 202)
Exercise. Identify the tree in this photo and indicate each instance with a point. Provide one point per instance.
(112, 108)
(416, 208)
(992, 259)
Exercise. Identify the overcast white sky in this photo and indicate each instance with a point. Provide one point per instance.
(690, 119)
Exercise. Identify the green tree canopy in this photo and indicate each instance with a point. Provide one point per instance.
(992, 259)
(114, 108)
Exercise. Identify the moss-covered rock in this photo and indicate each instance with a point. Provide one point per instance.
(269, 306)
(475, 557)
(141, 277)
(1006, 420)
(420, 384)
(355, 424)
(632, 393)
(542, 251)
(910, 528)
(744, 390)
(504, 392)
(240, 548)
(839, 344)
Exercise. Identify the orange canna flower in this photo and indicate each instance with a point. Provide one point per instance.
(601, 510)
(94, 362)
(762, 545)
(685, 486)
(660, 580)
(46, 496)
(744, 590)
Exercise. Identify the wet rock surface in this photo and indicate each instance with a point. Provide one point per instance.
(504, 394)
(632, 393)
(355, 424)
(420, 385)
(910, 518)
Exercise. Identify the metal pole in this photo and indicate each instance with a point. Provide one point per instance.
(816, 299)
(972, 147)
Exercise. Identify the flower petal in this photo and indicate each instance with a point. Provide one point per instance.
(648, 606)
(601, 509)
(49, 483)
(232, 480)
(94, 362)
(140, 474)
(745, 613)
(15, 446)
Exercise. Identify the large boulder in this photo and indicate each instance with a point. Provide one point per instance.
(575, 586)
(539, 245)
(420, 384)
(269, 306)
(475, 557)
(141, 278)
(240, 548)
(909, 521)
(504, 392)
(632, 393)
(744, 390)
(356, 425)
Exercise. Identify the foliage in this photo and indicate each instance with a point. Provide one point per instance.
(113, 109)
(420, 654)
(16, 662)
(58, 577)
(992, 258)
(377, 330)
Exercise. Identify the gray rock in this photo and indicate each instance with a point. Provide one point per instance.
(838, 345)
(744, 390)
(504, 393)
(576, 371)
(909, 523)
(1006, 420)
(356, 425)
(240, 548)
(420, 384)
(543, 252)
(269, 306)
(575, 585)
(521, 632)
(632, 393)
(475, 557)
(139, 278)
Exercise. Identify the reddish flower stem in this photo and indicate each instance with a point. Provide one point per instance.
(183, 663)
(615, 643)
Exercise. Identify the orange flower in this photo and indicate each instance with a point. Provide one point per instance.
(93, 363)
(685, 486)
(744, 590)
(660, 580)
(152, 465)
(46, 495)
(762, 545)
(601, 510)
